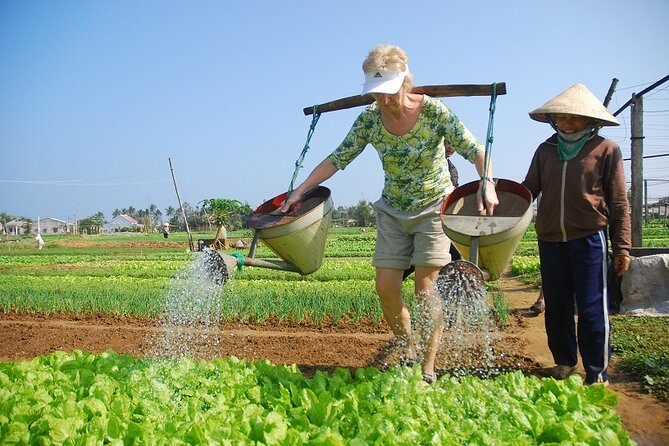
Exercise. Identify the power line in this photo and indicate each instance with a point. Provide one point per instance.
(649, 156)
(50, 182)
(641, 93)
(80, 183)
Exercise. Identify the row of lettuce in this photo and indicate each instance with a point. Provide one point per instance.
(85, 398)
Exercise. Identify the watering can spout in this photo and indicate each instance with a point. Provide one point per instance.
(461, 273)
(218, 267)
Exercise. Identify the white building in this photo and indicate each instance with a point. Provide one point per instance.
(51, 226)
(15, 227)
(122, 223)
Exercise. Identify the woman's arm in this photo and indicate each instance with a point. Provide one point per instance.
(491, 200)
(320, 173)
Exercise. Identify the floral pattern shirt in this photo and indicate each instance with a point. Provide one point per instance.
(416, 172)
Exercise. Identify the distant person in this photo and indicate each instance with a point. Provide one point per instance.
(222, 237)
(408, 131)
(166, 229)
(581, 178)
(40, 241)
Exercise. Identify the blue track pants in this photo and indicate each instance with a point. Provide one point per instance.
(573, 276)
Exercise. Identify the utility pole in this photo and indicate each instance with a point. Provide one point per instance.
(637, 169)
(609, 94)
(636, 104)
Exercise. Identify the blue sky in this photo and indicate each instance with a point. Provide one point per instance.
(96, 96)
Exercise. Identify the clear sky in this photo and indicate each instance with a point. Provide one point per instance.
(96, 96)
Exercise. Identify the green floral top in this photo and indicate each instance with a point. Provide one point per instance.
(416, 172)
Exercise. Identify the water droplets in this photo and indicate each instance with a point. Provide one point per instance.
(190, 325)
(466, 345)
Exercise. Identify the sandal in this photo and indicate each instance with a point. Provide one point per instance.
(538, 307)
(405, 361)
(561, 371)
(429, 378)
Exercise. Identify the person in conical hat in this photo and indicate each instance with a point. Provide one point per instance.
(583, 206)
(408, 131)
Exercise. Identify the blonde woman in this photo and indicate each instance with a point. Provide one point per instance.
(408, 131)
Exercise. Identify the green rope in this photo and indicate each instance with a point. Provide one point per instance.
(298, 163)
(489, 139)
(240, 260)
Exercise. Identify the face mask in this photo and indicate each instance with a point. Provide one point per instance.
(569, 144)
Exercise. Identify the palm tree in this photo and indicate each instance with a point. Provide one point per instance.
(153, 209)
(220, 211)
(157, 217)
(172, 215)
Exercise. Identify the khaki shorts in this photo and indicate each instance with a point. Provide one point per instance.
(406, 238)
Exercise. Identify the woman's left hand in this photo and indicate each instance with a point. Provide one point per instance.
(491, 200)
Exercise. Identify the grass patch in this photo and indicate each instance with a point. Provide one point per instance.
(640, 344)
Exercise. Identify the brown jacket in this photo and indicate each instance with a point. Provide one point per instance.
(581, 196)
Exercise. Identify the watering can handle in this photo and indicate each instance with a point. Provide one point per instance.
(489, 139)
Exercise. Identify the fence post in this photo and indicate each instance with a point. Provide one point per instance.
(637, 170)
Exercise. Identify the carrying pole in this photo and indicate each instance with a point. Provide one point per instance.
(430, 90)
(183, 213)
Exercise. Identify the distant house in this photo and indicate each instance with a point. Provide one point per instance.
(51, 226)
(15, 227)
(122, 223)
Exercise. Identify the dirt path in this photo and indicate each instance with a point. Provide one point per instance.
(522, 345)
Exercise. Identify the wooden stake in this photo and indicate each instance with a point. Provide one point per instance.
(183, 213)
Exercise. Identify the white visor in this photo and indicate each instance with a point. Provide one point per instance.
(384, 82)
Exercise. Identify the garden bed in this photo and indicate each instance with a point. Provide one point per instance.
(325, 347)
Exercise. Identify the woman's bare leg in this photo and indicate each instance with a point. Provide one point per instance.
(432, 305)
(395, 313)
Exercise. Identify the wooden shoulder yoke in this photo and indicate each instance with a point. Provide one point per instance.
(430, 90)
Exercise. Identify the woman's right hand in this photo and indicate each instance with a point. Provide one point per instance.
(294, 197)
(320, 173)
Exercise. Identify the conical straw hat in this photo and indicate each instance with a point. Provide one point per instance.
(576, 100)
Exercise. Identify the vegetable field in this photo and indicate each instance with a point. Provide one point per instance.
(297, 360)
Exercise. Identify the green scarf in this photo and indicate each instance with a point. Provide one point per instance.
(569, 144)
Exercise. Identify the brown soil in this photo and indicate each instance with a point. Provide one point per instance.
(521, 345)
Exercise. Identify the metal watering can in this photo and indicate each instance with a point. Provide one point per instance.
(297, 237)
(487, 241)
